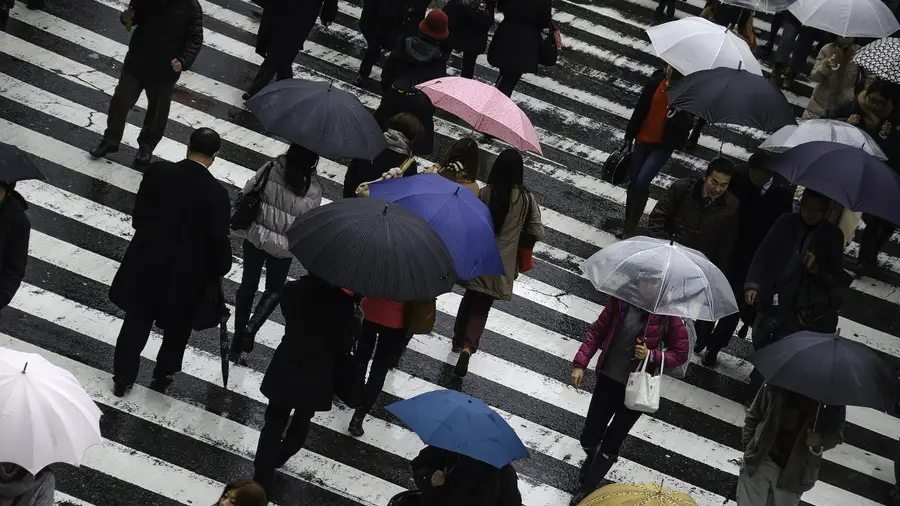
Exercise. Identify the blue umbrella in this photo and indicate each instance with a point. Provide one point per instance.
(462, 424)
(458, 216)
(846, 174)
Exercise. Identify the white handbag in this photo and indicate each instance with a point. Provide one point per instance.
(642, 391)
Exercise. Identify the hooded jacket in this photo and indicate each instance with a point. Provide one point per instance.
(278, 209)
(18, 487)
(15, 230)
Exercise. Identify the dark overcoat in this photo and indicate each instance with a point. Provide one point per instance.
(285, 26)
(468, 482)
(164, 30)
(515, 46)
(382, 22)
(15, 229)
(469, 25)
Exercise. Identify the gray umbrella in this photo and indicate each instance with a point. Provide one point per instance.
(17, 165)
(319, 117)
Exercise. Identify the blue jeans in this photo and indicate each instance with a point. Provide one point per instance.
(646, 162)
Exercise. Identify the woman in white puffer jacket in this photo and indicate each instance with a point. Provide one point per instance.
(292, 188)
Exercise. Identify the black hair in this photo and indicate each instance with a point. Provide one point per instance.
(409, 126)
(720, 165)
(507, 173)
(465, 151)
(760, 159)
(299, 165)
(885, 88)
(205, 141)
(814, 195)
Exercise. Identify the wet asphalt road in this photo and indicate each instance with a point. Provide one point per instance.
(57, 69)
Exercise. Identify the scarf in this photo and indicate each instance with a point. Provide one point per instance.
(872, 118)
(397, 142)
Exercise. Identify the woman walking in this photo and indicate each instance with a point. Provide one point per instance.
(290, 189)
(470, 22)
(514, 212)
(403, 130)
(516, 43)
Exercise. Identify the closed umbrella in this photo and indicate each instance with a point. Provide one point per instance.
(319, 117)
(647, 494)
(847, 18)
(17, 165)
(663, 278)
(692, 44)
(373, 248)
(45, 414)
(881, 58)
(768, 6)
(829, 130)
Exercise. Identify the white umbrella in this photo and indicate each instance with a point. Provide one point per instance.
(847, 18)
(45, 414)
(662, 278)
(769, 6)
(693, 44)
(830, 130)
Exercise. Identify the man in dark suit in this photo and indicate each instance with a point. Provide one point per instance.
(180, 248)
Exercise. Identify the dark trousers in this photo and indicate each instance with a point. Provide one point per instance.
(370, 59)
(668, 6)
(128, 91)
(874, 237)
(387, 346)
(267, 71)
(133, 338)
(768, 327)
(608, 402)
(507, 81)
(276, 275)
(777, 21)
(471, 319)
(470, 59)
(275, 446)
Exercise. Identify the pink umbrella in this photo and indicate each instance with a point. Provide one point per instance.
(486, 109)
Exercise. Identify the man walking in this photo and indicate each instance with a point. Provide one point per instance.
(167, 38)
(180, 248)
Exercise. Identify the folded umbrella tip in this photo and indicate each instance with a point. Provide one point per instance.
(385, 208)
(25, 368)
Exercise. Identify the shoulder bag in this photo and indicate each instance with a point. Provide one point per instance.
(246, 207)
(548, 50)
(642, 392)
(525, 253)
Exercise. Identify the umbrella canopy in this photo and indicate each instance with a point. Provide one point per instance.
(663, 278)
(692, 44)
(830, 369)
(723, 95)
(17, 165)
(829, 130)
(457, 215)
(45, 413)
(626, 494)
(881, 58)
(319, 117)
(846, 174)
(768, 6)
(462, 424)
(847, 18)
(373, 248)
(484, 108)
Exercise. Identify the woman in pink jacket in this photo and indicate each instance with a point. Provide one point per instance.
(626, 335)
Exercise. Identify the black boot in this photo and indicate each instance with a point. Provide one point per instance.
(596, 473)
(264, 309)
(586, 465)
(237, 344)
(104, 148)
(356, 423)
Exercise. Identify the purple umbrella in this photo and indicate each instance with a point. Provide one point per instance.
(846, 174)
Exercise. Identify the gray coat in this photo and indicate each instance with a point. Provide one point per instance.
(19, 488)
(761, 427)
(833, 87)
(279, 207)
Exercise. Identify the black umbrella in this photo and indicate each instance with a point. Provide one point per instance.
(737, 97)
(224, 346)
(830, 369)
(373, 248)
(320, 117)
(17, 165)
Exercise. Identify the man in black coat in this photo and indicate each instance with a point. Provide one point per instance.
(761, 202)
(15, 230)
(180, 247)
(470, 22)
(381, 23)
(166, 41)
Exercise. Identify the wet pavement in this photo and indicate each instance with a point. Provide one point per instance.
(58, 68)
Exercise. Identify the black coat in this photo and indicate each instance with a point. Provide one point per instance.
(516, 43)
(15, 229)
(319, 325)
(382, 22)
(164, 30)
(468, 482)
(363, 171)
(181, 243)
(890, 145)
(285, 26)
(469, 27)
(678, 125)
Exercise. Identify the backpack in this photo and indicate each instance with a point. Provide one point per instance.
(419, 316)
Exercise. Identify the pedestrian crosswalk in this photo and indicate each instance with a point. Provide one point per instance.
(58, 69)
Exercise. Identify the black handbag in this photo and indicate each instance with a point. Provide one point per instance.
(617, 165)
(350, 375)
(246, 207)
(211, 309)
(548, 50)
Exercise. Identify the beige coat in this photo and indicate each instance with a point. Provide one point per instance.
(833, 86)
(500, 287)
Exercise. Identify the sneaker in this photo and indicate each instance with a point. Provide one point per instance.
(462, 365)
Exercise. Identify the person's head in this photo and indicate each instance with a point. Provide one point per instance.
(204, 146)
(813, 207)
(507, 173)
(878, 96)
(718, 177)
(672, 75)
(6, 189)
(465, 151)
(299, 165)
(408, 125)
(243, 493)
(435, 25)
(845, 42)
(759, 168)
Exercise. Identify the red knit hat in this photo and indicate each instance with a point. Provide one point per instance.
(435, 25)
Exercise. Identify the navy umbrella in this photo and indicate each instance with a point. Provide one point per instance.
(732, 96)
(319, 117)
(17, 165)
(846, 174)
(830, 369)
(373, 248)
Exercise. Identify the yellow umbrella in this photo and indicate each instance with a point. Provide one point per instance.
(626, 494)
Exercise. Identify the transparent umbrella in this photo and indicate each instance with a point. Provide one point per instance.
(830, 130)
(769, 6)
(662, 277)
